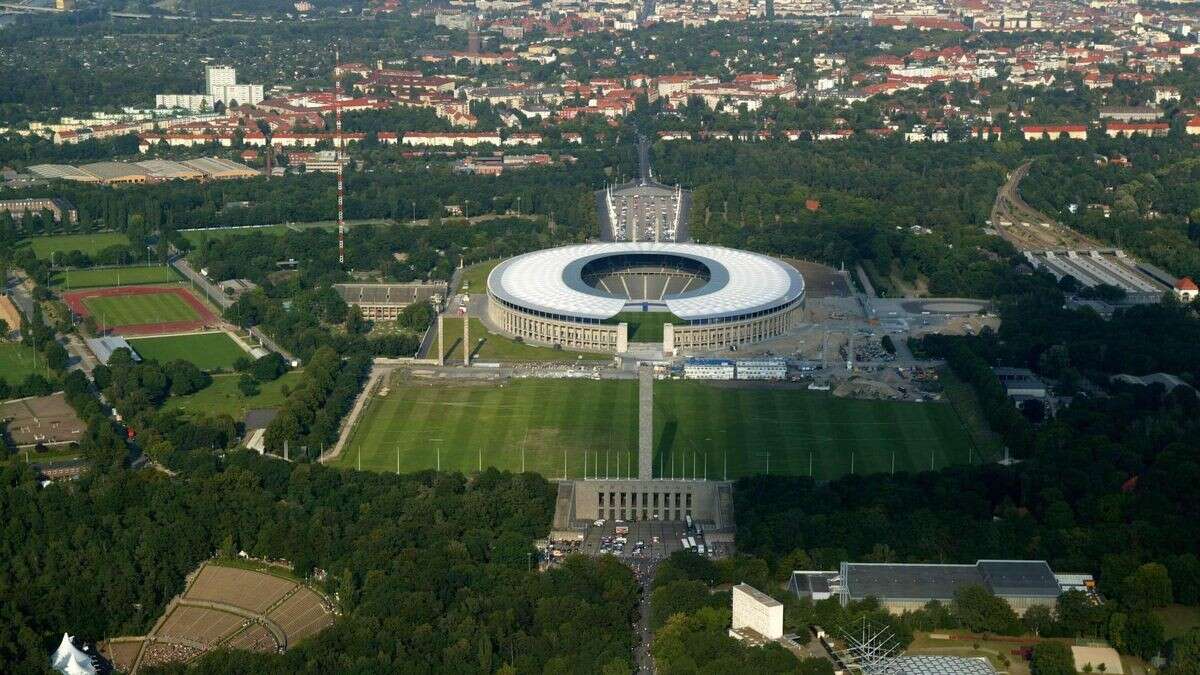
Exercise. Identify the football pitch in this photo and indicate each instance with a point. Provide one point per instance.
(115, 276)
(130, 310)
(208, 351)
(91, 244)
(555, 427)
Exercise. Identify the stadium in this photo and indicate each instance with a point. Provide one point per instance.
(603, 297)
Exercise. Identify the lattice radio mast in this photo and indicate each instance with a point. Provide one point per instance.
(341, 179)
(872, 651)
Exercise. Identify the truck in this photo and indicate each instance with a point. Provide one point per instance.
(691, 542)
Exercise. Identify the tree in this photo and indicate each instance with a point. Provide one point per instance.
(1052, 658)
(887, 344)
(1147, 588)
(981, 611)
(1143, 635)
(1038, 619)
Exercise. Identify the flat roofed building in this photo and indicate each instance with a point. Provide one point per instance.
(103, 347)
(165, 169)
(940, 665)
(116, 173)
(59, 208)
(902, 587)
(62, 172)
(220, 168)
(756, 611)
(709, 369)
(386, 301)
(762, 369)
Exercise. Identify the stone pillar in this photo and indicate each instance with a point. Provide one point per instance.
(622, 338)
(645, 422)
(668, 339)
(466, 340)
(441, 343)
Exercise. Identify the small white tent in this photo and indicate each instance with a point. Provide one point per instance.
(70, 660)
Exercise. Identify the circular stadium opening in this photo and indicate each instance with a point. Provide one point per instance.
(645, 277)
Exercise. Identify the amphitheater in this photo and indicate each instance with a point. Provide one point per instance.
(603, 297)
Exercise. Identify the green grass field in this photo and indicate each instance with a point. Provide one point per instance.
(487, 346)
(474, 277)
(115, 276)
(129, 310)
(208, 351)
(645, 326)
(223, 398)
(731, 429)
(18, 361)
(91, 244)
(198, 237)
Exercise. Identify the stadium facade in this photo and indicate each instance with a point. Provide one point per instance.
(585, 296)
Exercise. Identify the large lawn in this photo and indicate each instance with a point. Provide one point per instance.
(732, 429)
(486, 346)
(91, 244)
(474, 277)
(131, 310)
(645, 326)
(115, 276)
(223, 397)
(18, 362)
(208, 351)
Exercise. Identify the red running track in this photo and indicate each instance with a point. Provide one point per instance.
(74, 300)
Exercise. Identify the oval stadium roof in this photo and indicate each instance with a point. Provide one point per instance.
(551, 281)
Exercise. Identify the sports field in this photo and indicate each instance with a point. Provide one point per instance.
(114, 311)
(208, 351)
(222, 397)
(487, 346)
(115, 276)
(91, 244)
(570, 422)
(18, 362)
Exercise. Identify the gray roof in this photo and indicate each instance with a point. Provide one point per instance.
(942, 665)
(1004, 578)
(103, 347)
(389, 294)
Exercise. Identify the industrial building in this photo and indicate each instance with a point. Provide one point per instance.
(384, 302)
(149, 171)
(901, 587)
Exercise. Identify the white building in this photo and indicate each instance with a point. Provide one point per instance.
(70, 660)
(184, 101)
(219, 76)
(242, 94)
(762, 369)
(709, 369)
(755, 612)
(220, 84)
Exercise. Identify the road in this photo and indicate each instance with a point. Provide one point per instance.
(22, 297)
(647, 174)
(644, 572)
(223, 301)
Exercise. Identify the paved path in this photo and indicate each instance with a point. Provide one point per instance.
(217, 297)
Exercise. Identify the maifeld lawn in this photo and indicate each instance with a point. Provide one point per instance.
(475, 423)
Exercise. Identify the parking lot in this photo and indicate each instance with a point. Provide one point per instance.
(659, 539)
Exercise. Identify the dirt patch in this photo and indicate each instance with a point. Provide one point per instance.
(9, 313)
(867, 389)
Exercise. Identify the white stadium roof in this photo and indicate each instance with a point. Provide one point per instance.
(551, 281)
